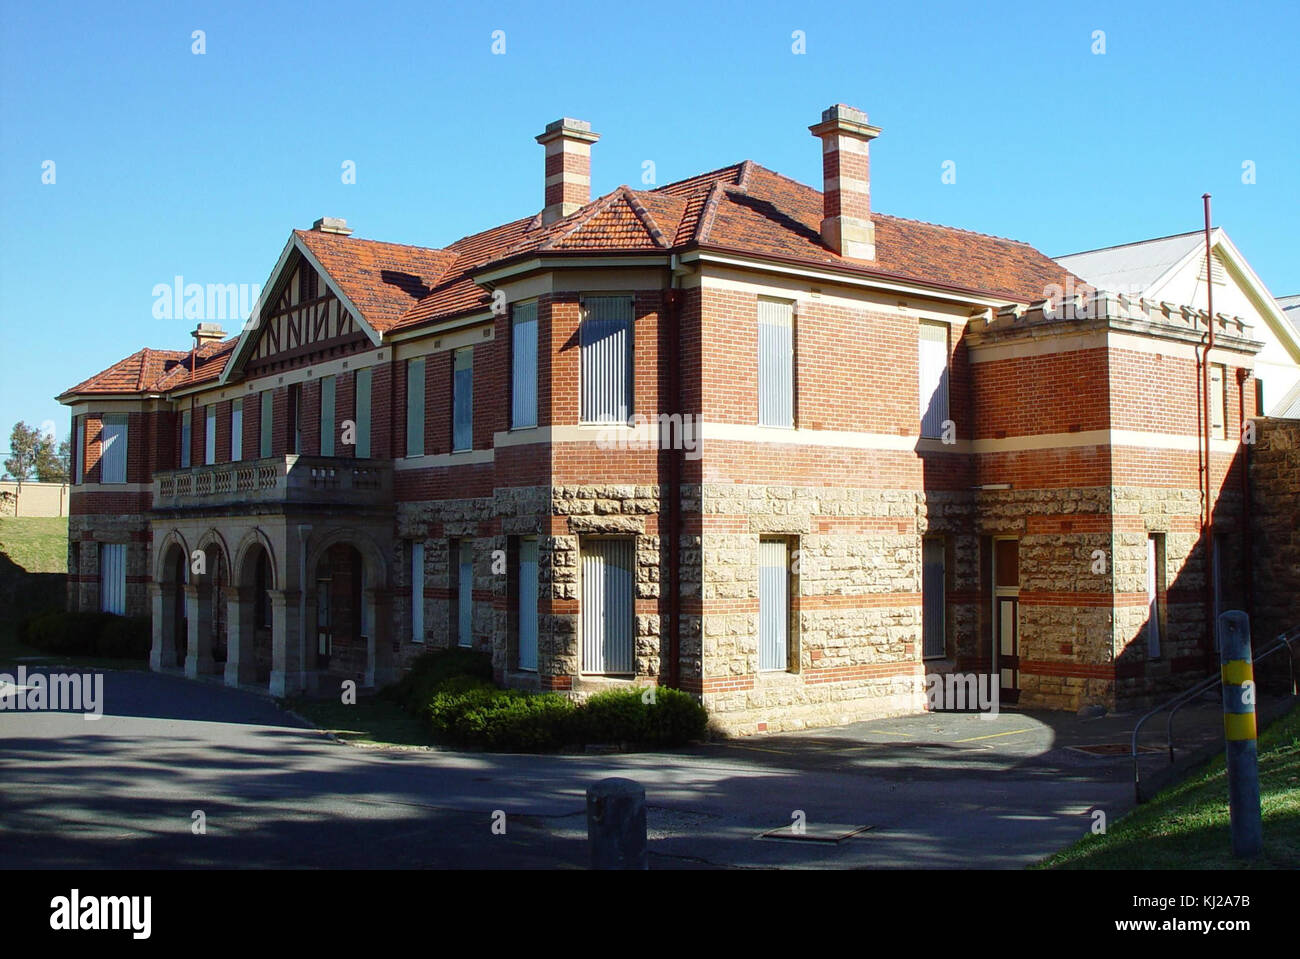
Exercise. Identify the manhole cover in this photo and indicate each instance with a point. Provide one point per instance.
(1113, 749)
(813, 832)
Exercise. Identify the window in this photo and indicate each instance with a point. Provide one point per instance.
(210, 435)
(417, 592)
(464, 553)
(1155, 586)
(607, 621)
(327, 416)
(295, 418)
(527, 598)
(605, 374)
(187, 438)
(75, 447)
(112, 578)
(112, 453)
(462, 414)
(1259, 398)
(236, 430)
(264, 446)
(1218, 407)
(933, 644)
(933, 364)
(773, 605)
(775, 363)
(363, 414)
(523, 366)
(415, 407)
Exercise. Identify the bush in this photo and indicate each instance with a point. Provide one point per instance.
(518, 721)
(432, 671)
(671, 718)
(125, 638)
(76, 633)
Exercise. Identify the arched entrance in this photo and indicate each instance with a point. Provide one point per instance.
(170, 627)
(251, 616)
(205, 601)
(347, 608)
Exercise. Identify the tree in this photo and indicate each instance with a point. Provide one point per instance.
(24, 446)
(53, 465)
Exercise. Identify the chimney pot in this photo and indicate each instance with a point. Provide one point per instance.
(332, 224)
(568, 166)
(846, 181)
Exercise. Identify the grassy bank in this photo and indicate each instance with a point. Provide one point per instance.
(1187, 825)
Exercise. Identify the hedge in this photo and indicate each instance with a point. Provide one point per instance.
(453, 692)
(105, 635)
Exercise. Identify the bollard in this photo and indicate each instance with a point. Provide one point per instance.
(616, 825)
(1239, 732)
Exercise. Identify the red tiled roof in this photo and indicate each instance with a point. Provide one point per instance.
(384, 280)
(138, 373)
(744, 208)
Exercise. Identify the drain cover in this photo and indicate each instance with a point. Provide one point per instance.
(1113, 749)
(814, 832)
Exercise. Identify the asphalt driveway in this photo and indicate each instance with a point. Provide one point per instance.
(130, 790)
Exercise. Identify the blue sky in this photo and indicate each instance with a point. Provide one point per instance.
(170, 163)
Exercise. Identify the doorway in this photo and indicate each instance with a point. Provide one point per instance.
(1006, 616)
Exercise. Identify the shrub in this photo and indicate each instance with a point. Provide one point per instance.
(125, 638)
(432, 671)
(671, 718)
(518, 721)
(75, 633)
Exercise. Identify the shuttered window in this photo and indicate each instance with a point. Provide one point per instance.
(417, 592)
(236, 430)
(462, 414)
(605, 376)
(415, 407)
(933, 377)
(932, 597)
(528, 604)
(1218, 412)
(1155, 559)
(775, 363)
(187, 438)
(327, 399)
(364, 378)
(210, 435)
(607, 619)
(523, 366)
(264, 445)
(112, 578)
(465, 594)
(773, 605)
(112, 452)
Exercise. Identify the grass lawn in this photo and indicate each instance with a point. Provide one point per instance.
(39, 544)
(1187, 825)
(371, 722)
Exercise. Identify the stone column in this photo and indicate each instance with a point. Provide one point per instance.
(159, 622)
(241, 660)
(380, 668)
(198, 657)
(287, 677)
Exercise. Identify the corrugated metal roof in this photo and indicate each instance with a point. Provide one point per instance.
(1133, 267)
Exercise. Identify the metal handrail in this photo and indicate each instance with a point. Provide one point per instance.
(1284, 641)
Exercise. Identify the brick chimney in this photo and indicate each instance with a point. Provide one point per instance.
(846, 181)
(332, 224)
(568, 166)
(208, 333)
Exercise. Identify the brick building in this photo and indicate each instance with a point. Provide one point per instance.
(734, 434)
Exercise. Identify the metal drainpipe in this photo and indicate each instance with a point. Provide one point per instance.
(1207, 529)
(673, 311)
(1248, 546)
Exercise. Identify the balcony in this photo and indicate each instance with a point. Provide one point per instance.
(289, 479)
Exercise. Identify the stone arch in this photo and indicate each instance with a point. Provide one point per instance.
(376, 564)
(162, 572)
(243, 570)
